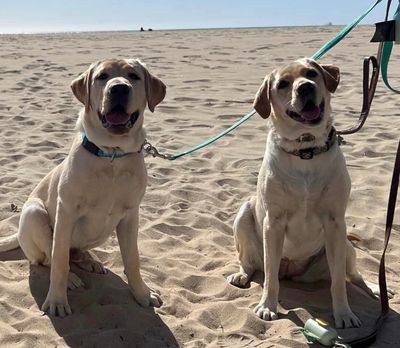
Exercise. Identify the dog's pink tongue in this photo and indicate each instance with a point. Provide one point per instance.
(117, 117)
(311, 114)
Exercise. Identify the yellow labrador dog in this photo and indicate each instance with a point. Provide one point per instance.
(98, 188)
(295, 223)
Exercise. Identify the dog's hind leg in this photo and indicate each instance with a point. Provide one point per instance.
(356, 278)
(34, 232)
(87, 261)
(35, 237)
(248, 245)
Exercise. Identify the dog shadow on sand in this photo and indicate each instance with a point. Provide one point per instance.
(104, 311)
(300, 301)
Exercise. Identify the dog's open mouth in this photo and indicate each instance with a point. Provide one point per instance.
(310, 114)
(117, 120)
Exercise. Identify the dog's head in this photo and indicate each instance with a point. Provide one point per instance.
(115, 93)
(297, 97)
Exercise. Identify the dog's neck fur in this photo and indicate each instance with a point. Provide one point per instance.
(126, 143)
(290, 145)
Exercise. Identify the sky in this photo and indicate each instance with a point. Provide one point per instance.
(30, 16)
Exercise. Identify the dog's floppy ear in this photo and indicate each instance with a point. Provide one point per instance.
(155, 90)
(81, 86)
(331, 75)
(262, 103)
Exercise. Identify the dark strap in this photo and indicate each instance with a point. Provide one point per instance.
(95, 150)
(310, 152)
(367, 340)
(368, 95)
(389, 223)
(89, 146)
(369, 87)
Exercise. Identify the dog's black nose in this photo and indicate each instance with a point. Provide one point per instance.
(306, 89)
(120, 89)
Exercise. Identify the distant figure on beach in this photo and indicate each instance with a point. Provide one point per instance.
(141, 29)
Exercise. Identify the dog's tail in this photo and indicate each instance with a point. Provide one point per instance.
(9, 227)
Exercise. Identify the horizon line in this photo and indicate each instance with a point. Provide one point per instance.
(39, 32)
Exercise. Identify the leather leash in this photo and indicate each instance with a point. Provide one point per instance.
(366, 341)
(389, 223)
(369, 85)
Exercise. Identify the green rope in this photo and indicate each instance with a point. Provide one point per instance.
(343, 33)
(215, 138)
(324, 49)
(387, 51)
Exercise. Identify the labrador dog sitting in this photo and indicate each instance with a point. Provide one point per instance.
(295, 223)
(98, 188)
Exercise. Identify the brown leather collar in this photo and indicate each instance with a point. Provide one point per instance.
(310, 152)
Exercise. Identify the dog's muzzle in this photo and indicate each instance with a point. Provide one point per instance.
(117, 120)
(310, 114)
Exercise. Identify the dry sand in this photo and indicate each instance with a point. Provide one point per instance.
(186, 241)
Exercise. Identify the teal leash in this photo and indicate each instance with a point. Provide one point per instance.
(343, 33)
(214, 138)
(387, 51)
(150, 149)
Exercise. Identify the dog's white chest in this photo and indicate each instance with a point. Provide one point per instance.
(109, 196)
(295, 197)
(304, 234)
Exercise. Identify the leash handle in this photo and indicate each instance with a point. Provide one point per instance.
(388, 46)
(369, 87)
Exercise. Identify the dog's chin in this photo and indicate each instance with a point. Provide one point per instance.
(117, 120)
(311, 114)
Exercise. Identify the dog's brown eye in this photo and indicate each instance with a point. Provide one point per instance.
(283, 84)
(102, 76)
(311, 73)
(134, 76)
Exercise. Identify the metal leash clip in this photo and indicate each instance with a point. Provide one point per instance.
(151, 150)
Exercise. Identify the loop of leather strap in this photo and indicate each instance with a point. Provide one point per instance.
(369, 87)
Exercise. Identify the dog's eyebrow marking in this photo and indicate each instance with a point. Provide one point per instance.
(285, 77)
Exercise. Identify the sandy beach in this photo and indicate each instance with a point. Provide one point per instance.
(185, 237)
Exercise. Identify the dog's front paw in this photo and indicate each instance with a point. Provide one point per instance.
(56, 306)
(238, 279)
(345, 319)
(155, 299)
(146, 297)
(265, 311)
